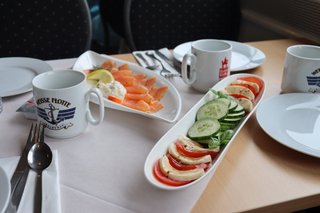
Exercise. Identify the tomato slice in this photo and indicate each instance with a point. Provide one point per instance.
(254, 80)
(164, 179)
(175, 164)
(236, 95)
(192, 153)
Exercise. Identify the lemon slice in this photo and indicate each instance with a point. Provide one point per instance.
(101, 75)
(92, 83)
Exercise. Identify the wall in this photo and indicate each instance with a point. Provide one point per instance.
(274, 19)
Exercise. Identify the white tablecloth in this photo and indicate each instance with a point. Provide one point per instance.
(102, 169)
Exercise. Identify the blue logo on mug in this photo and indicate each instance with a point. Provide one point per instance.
(313, 80)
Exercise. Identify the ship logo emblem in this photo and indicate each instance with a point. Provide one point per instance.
(55, 116)
(313, 80)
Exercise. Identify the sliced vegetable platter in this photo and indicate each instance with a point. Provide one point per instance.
(184, 131)
(171, 101)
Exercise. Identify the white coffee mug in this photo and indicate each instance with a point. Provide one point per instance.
(209, 63)
(301, 69)
(62, 100)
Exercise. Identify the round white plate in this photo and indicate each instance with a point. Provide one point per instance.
(171, 101)
(244, 57)
(17, 74)
(293, 120)
(4, 190)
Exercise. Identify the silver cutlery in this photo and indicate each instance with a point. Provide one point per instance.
(165, 58)
(39, 158)
(164, 72)
(148, 65)
(20, 176)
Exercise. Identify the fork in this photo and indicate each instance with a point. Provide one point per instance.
(148, 66)
(164, 72)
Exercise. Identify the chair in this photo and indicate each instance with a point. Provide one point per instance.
(44, 29)
(153, 24)
(111, 13)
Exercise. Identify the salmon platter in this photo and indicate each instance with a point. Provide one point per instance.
(125, 86)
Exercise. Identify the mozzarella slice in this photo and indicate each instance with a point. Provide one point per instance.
(247, 104)
(233, 89)
(175, 174)
(187, 160)
(254, 85)
(193, 145)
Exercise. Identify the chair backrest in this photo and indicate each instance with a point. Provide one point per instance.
(44, 29)
(152, 24)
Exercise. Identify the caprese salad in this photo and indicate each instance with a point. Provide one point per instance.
(191, 155)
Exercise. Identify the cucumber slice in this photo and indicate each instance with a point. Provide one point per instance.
(204, 128)
(213, 109)
(236, 114)
(225, 100)
(232, 120)
(227, 126)
(233, 104)
(239, 108)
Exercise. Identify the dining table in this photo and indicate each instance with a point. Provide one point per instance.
(101, 170)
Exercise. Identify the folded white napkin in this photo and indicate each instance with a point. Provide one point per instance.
(150, 61)
(50, 185)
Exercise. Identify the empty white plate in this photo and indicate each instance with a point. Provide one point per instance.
(244, 57)
(17, 74)
(293, 120)
(171, 100)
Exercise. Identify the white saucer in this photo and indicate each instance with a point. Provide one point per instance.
(4, 190)
(244, 57)
(293, 120)
(17, 74)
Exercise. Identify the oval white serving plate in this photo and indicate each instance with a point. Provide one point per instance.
(171, 100)
(181, 128)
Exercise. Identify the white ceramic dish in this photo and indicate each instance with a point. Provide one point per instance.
(295, 121)
(182, 127)
(4, 190)
(243, 57)
(171, 101)
(17, 74)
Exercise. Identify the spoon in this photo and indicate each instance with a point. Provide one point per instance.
(39, 158)
(164, 72)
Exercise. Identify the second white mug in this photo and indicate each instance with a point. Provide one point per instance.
(209, 61)
(301, 69)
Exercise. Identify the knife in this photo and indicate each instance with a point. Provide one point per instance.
(139, 55)
(164, 57)
(19, 177)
